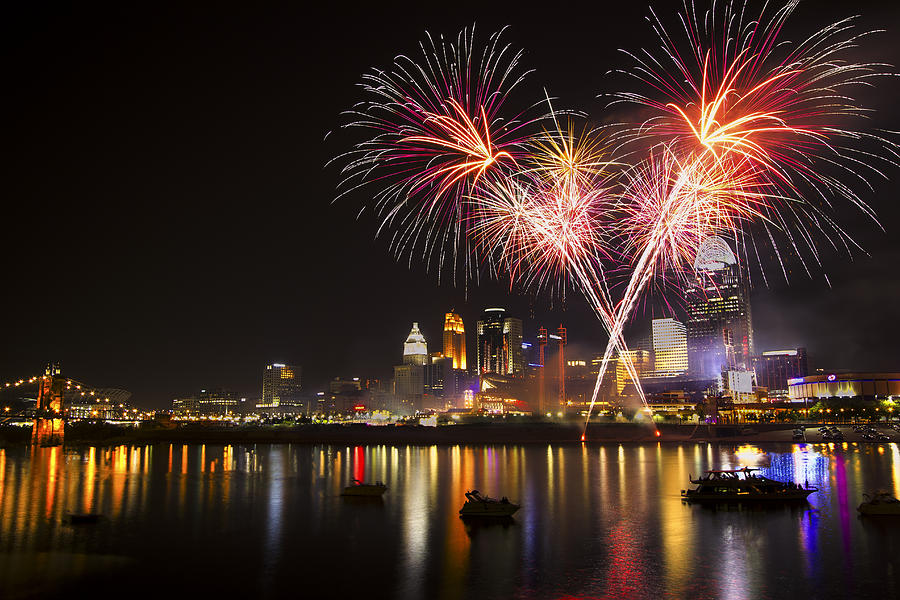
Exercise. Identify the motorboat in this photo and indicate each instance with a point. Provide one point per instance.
(879, 503)
(484, 506)
(744, 485)
(358, 488)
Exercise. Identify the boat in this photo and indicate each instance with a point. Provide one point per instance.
(744, 485)
(484, 506)
(879, 503)
(82, 518)
(358, 488)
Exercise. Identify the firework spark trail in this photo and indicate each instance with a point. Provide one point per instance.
(673, 207)
(550, 228)
(542, 235)
(436, 129)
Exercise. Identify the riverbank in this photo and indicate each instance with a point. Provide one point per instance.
(474, 433)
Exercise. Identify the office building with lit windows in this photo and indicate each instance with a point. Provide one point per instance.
(775, 368)
(208, 403)
(670, 355)
(409, 387)
(455, 340)
(281, 386)
(719, 324)
(500, 343)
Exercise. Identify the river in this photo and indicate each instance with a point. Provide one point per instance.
(597, 521)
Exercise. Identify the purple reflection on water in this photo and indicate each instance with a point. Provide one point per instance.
(840, 471)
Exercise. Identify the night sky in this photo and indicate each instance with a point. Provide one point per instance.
(168, 224)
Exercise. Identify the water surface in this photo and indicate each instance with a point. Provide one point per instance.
(597, 521)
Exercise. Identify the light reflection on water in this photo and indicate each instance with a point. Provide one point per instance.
(598, 521)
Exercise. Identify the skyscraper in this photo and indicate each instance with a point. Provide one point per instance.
(281, 386)
(409, 377)
(409, 387)
(499, 343)
(719, 326)
(455, 340)
(415, 349)
(670, 354)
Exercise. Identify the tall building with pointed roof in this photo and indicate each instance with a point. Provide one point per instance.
(415, 348)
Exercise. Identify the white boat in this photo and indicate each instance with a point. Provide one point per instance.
(880, 503)
(358, 488)
(484, 506)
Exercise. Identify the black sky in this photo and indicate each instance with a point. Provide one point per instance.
(167, 222)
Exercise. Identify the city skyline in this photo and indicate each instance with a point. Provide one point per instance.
(172, 302)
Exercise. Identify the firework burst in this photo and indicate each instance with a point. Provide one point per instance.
(435, 132)
(733, 88)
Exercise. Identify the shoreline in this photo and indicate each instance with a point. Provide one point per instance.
(470, 434)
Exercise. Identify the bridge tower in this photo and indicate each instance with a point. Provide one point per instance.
(48, 423)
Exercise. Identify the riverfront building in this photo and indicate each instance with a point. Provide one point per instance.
(207, 403)
(775, 368)
(867, 386)
(281, 386)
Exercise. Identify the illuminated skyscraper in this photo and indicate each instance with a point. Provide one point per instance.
(500, 343)
(415, 349)
(670, 354)
(455, 340)
(409, 377)
(618, 369)
(719, 326)
(281, 386)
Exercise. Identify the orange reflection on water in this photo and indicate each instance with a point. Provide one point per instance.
(51, 476)
(456, 550)
(119, 475)
(228, 458)
(675, 521)
(89, 475)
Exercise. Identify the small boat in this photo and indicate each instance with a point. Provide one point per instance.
(358, 488)
(484, 506)
(743, 485)
(880, 503)
(82, 518)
